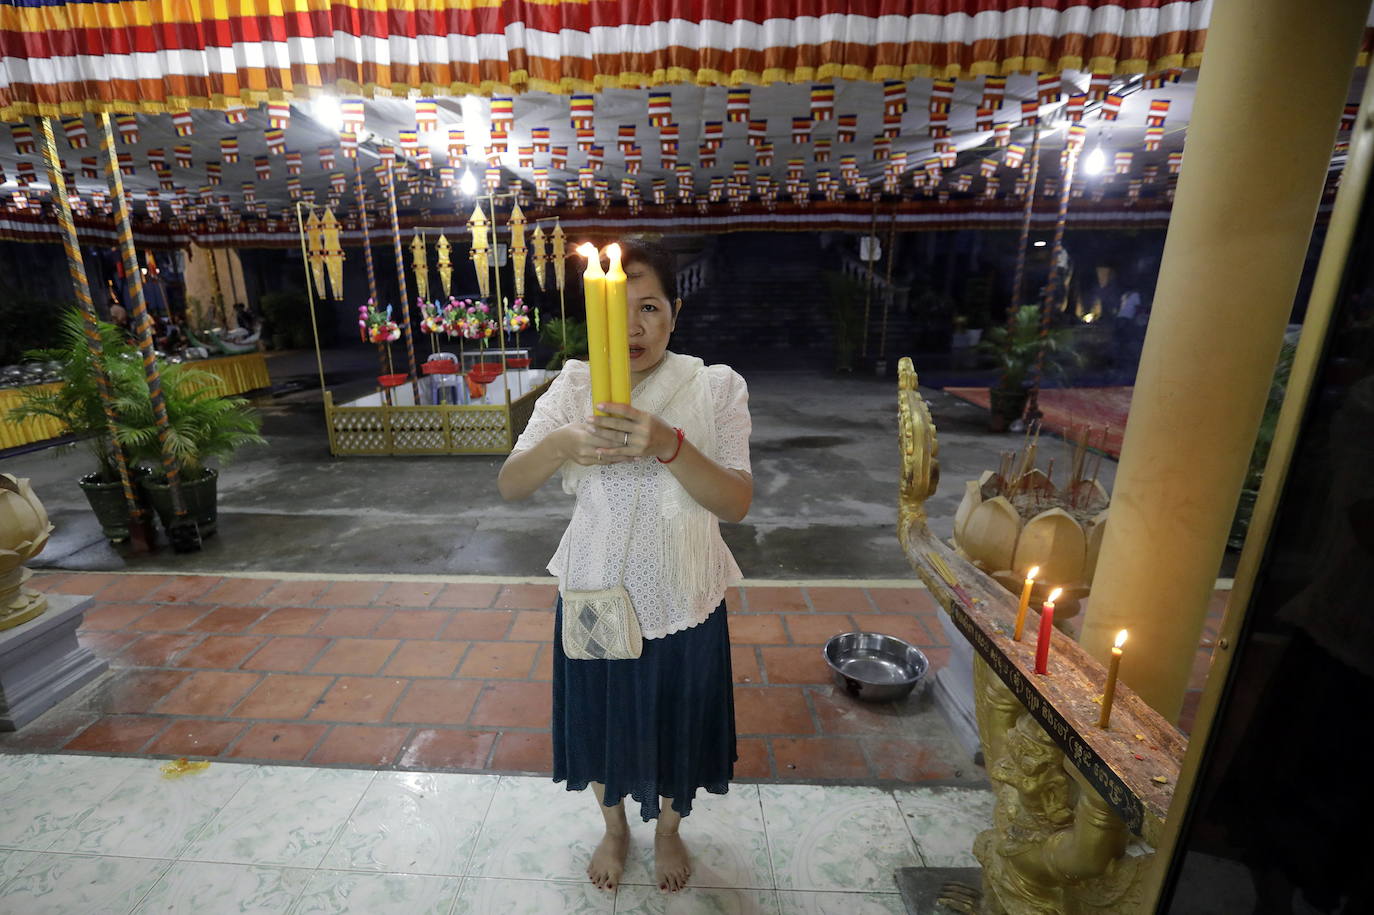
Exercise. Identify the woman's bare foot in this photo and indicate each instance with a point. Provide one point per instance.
(608, 861)
(672, 864)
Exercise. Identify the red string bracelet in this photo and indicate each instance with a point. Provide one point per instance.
(680, 436)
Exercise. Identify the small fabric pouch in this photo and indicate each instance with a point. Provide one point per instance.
(601, 625)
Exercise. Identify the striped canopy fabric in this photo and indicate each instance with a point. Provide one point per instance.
(171, 55)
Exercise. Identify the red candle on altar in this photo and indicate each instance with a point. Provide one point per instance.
(1042, 647)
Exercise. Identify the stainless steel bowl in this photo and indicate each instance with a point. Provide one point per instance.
(875, 667)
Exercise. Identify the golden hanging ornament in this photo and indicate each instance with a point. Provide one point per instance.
(445, 264)
(314, 244)
(332, 252)
(477, 225)
(518, 250)
(420, 262)
(541, 257)
(559, 254)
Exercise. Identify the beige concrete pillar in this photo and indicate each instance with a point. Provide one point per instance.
(1273, 81)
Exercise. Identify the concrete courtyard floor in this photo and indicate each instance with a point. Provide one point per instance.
(825, 467)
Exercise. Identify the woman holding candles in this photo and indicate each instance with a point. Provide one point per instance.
(652, 477)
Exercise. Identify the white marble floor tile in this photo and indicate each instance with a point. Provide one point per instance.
(152, 816)
(282, 815)
(945, 821)
(725, 837)
(835, 838)
(354, 893)
(791, 902)
(12, 862)
(415, 823)
(481, 896)
(649, 900)
(57, 884)
(537, 830)
(55, 793)
(208, 888)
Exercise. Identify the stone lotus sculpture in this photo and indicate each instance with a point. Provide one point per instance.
(24, 531)
(1012, 519)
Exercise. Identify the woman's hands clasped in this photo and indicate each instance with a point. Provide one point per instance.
(625, 435)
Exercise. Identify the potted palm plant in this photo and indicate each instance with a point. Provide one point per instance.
(76, 405)
(568, 337)
(1017, 346)
(203, 426)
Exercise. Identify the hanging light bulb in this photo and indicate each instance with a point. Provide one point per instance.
(325, 109)
(468, 183)
(1096, 161)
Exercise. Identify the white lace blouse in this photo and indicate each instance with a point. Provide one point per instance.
(607, 510)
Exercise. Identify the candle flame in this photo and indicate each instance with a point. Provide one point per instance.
(613, 252)
(1054, 595)
(1121, 638)
(1032, 572)
(587, 250)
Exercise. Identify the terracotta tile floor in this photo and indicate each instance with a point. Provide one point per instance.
(432, 675)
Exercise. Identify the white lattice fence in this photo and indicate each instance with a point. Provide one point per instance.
(360, 430)
(478, 430)
(419, 430)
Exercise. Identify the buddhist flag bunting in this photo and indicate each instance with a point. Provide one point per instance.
(164, 179)
(1158, 79)
(596, 156)
(796, 168)
(581, 109)
(737, 105)
(276, 141)
(279, 115)
(214, 172)
(157, 158)
(1075, 107)
(90, 167)
(585, 176)
(1150, 173)
(717, 189)
(23, 139)
(1159, 111)
(667, 157)
(1075, 136)
(713, 133)
(625, 136)
(668, 139)
(1111, 108)
(182, 155)
(558, 157)
(1175, 162)
(75, 129)
(987, 168)
(894, 96)
(801, 130)
(540, 137)
(348, 145)
(763, 155)
(932, 169)
(293, 187)
(982, 118)
(660, 108)
(633, 157)
(1001, 135)
(502, 113)
(892, 126)
(994, 91)
(126, 163)
(1123, 162)
(821, 150)
(1154, 136)
(263, 166)
(1030, 114)
(525, 156)
(127, 125)
(183, 123)
(1133, 189)
(941, 95)
(1047, 90)
(427, 115)
(963, 183)
(660, 191)
(992, 186)
(846, 127)
(1348, 117)
(758, 132)
(822, 102)
(457, 143)
(409, 140)
(939, 123)
(947, 156)
(250, 191)
(541, 180)
(1015, 155)
(387, 154)
(586, 139)
(1099, 86)
(326, 154)
(293, 163)
(27, 174)
(448, 176)
(351, 114)
(882, 148)
(706, 157)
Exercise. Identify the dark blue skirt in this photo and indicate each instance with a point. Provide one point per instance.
(661, 725)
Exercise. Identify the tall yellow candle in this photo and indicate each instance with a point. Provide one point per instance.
(1109, 693)
(594, 290)
(617, 323)
(1025, 601)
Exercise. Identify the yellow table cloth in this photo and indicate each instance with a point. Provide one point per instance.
(237, 375)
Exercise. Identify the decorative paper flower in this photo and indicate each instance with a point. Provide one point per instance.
(431, 317)
(376, 325)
